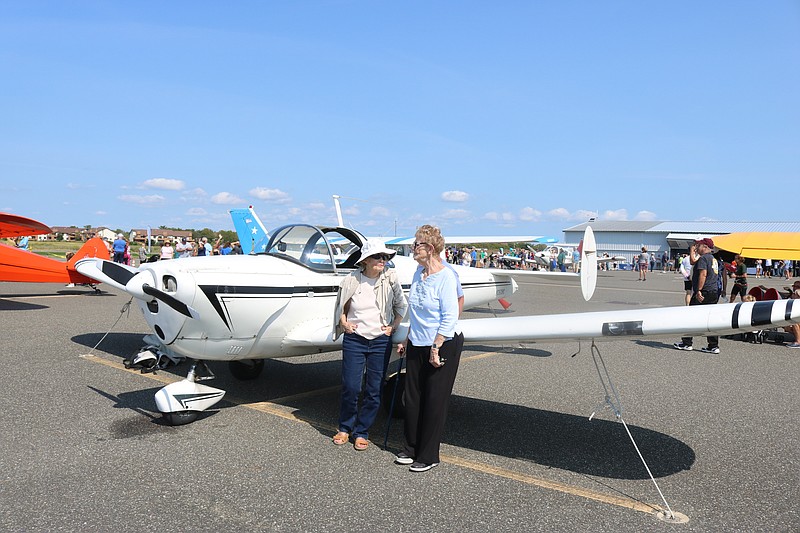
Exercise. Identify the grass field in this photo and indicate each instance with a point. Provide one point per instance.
(58, 249)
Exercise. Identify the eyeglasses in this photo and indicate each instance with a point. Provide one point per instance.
(419, 243)
(381, 257)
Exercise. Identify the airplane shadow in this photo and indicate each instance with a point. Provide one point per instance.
(657, 344)
(514, 349)
(489, 311)
(12, 305)
(77, 291)
(569, 442)
(119, 344)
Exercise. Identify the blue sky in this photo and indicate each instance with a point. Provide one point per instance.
(481, 117)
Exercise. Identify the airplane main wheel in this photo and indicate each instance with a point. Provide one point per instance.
(246, 369)
(394, 386)
(180, 418)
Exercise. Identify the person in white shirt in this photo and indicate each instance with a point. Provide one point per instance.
(686, 272)
(369, 307)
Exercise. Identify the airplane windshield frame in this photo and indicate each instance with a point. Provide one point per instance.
(323, 250)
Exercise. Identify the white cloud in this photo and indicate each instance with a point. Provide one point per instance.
(455, 214)
(270, 195)
(619, 214)
(226, 198)
(165, 184)
(196, 212)
(194, 195)
(351, 211)
(529, 214)
(455, 196)
(150, 200)
(379, 212)
(559, 213)
(645, 216)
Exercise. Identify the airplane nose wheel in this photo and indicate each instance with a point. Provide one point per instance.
(180, 418)
(246, 369)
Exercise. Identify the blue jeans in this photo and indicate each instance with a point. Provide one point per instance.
(358, 352)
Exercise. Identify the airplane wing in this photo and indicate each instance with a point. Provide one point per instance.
(17, 226)
(696, 320)
(616, 258)
(776, 245)
(26, 267)
(464, 239)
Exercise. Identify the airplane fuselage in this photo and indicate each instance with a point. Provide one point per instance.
(262, 306)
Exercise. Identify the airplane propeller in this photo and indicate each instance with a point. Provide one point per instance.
(171, 301)
(137, 283)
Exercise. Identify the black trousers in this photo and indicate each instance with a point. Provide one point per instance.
(709, 297)
(427, 395)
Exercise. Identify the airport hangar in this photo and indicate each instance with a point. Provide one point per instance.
(626, 238)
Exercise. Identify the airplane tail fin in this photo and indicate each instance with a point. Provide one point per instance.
(27, 267)
(94, 247)
(253, 236)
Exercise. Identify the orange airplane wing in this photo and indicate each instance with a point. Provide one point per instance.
(16, 226)
(24, 266)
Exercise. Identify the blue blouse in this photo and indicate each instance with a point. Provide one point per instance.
(433, 307)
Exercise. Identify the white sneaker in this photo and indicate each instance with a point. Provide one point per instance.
(681, 346)
(710, 350)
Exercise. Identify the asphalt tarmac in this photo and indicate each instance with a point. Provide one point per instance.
(83, 447)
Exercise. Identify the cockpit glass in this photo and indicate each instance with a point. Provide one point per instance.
(320, 249)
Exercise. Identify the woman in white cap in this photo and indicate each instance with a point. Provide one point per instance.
(369, 308)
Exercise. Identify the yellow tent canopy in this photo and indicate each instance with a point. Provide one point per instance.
(761, 245)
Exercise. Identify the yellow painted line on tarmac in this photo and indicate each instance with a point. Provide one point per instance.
(480, 356)
(289, 413)
(307, 394)
(161, 378)
(601, 497)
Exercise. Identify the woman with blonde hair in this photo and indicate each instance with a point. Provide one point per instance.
(432, 341)
(369, 307)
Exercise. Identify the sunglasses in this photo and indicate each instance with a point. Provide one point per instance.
(381, 257)
(419, 244)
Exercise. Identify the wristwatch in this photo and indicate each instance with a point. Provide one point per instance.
(437, 346)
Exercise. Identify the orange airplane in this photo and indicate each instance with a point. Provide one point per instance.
(24, 266)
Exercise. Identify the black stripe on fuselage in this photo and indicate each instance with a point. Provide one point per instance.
(214, 292)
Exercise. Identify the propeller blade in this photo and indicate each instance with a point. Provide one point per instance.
(171, 301)
(117, 272)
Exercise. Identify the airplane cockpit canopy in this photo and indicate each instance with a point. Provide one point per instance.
(318, 248)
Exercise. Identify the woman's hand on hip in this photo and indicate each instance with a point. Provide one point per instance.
(349, 327)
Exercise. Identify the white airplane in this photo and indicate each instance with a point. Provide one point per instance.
(247, 308)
